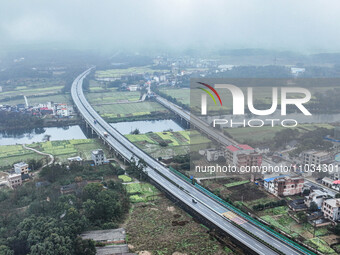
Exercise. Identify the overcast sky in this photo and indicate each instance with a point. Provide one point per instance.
(298, 25)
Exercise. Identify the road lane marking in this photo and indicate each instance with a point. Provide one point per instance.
(241, 235)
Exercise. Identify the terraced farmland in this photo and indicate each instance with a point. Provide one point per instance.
(178, 143)
(116, 73)
(128, 110)
(61, 150)
(11, 154)
(69, 148)
(141, 192)
(112, 96)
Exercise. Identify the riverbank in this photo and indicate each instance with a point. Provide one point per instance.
(44, 124)
(150, 117)
(41, 134)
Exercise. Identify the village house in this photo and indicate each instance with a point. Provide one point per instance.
(14, 180)
(284, 185)
(21, 168)
(331, 209)
(242, 155)
(317, 196)
(98, 157)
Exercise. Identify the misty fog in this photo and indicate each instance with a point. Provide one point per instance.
(305, 26)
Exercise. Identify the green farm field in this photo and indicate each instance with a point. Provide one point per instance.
(70, 148)
(112, 96)
(61, 150)
(178, 143)
(11, 154)
(31, 87)
(131, 109)
(125, 178)
(141, 192)
(111, 103)
(116, 73)
(56, 98)
(281, 220)
(262, 95)
(181, 95)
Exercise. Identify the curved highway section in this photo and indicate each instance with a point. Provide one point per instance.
(196, 200)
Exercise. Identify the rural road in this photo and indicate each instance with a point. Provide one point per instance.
(41, 153)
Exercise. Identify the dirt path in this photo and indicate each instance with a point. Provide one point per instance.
(41, 153)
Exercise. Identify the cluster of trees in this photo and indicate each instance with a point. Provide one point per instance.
(321, 72)
(302, 216)
(313, 207)
(48, 235)
(64, 174)
(41, 221)
(69, 77)
(313, 140)
(326, 102)
(37, 63)
(127, 60)
(135, 169)
(260, 207)
(86, 84)
(34, 164)
(163, 143)
(135, 132)
(115, 84)
(22, 70)
(105, 207)
(181, 158)
(183, 162)
(284, 136)
(15, 120)
(336, 229)
(55, 172)
(120, 84)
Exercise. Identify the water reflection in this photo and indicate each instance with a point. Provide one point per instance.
(27, 136)
(147, 126)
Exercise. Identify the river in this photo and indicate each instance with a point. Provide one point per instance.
(21, 136)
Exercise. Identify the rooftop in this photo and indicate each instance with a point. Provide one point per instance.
(121, 249)
(334, 202)
(297, 204)
(105, 235)
(77, 158)
(239, 147)
(14, 176)
(317, 153)
(25, 177)
(98, 151)
(20, 164)
(232, 148)
(273, 178)
(245, 147)
(328, 180)
(317, 192)
(42, 184)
